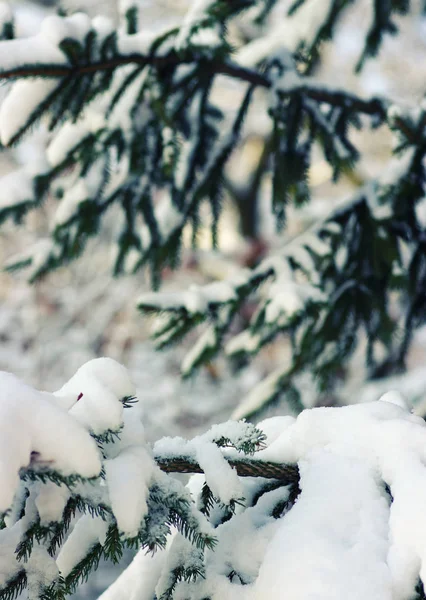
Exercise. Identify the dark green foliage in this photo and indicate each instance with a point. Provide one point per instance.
(170, 508)
(82, 570)
(14, 587)
(182, 573)
(171, 96)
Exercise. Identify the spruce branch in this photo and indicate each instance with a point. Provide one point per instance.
(245, 467)
(334, 97)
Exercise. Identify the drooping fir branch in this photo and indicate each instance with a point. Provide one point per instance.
(176, 152)
(99, 507)
(325, 286)
(375, 106)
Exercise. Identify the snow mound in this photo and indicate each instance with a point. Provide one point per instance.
(358, 527)
(45, 430)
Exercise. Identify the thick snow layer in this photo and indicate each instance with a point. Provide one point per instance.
(56, 29)
(50, 501)
(139, 580)
(128, 476)
(9, 539)
(344, 538)
(220, 476)
(31, 421)
(333, 543)
(88, 532)
(44, 429)
(36, 49)
(103, 383)
(41, 571)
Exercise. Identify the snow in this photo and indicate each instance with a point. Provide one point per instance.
(244, 539)
(245, 341)
(195, 300)
(16, 189)
(262, 392)
(41, 571)
(32, 422)
(128, 476)
(103, 26)
(50, 501)
(56, 29)
(6, 14)
(343, 528)
(23, 100)
(9, 539)
(68, 206)
(36, 49)
(220, 476)
(285, 34)
(139, 580)
(65, 140)
(332, 544)
(287, 299)
(104, 383)
(37, 255)
(168, 217)
(193, 17)
(138, 43)
(206, 341)
(87, 532)
(344, 537)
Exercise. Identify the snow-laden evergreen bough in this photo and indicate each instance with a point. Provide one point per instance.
(136, 122)
(327, 506)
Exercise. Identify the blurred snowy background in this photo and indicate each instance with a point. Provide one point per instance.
(49, 329)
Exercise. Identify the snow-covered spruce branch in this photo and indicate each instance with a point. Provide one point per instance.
(154, 145)
(78, 456)
(320, 293)
(355, 506)
(355, 469)
(245, 467)
(376, 107)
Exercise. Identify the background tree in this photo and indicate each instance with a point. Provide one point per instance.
(137, 124)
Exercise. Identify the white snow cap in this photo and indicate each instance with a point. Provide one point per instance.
(35, 426)
(344, 538)
(103, 383)
(32, 421)
(396, 398)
